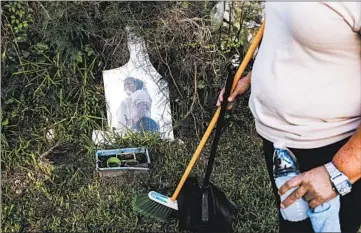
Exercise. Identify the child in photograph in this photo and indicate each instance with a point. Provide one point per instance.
(142, 104)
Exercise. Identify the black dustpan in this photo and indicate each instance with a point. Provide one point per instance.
(202, 206)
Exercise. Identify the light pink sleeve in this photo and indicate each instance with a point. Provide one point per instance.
(349, 11)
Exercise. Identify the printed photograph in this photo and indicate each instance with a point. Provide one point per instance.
(135, 110)
(137, 96)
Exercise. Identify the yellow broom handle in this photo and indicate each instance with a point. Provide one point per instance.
(213, 122)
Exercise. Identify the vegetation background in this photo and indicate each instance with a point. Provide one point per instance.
(52, 58)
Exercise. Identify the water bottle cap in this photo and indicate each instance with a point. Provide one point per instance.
(279, 145)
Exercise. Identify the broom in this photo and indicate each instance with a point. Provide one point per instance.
(160, 207)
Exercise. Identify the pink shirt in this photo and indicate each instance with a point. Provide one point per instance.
(306, 80)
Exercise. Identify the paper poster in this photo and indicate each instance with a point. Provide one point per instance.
(137, 98)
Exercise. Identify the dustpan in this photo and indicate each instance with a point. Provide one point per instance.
(202, 206)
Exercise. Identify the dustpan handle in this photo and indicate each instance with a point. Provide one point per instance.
(219, 126)
(211, 125)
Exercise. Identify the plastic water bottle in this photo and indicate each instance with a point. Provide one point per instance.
(285, 167)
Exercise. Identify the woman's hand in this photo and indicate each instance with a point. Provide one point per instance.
(242, 87)
(314, 186)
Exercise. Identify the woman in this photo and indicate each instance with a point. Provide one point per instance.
(306, 92)
(126, 110)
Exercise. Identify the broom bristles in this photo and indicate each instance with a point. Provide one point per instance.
(143, 205)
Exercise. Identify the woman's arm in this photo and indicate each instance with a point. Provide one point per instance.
(348, 158)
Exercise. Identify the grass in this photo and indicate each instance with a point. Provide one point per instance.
(62, 193)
